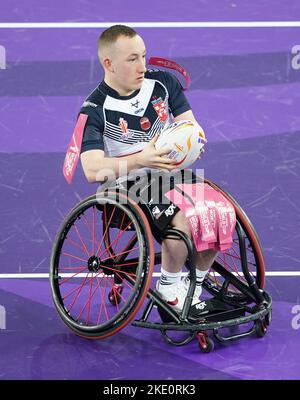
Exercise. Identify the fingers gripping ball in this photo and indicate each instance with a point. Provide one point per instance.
(186, 139)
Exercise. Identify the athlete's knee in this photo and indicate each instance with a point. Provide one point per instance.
(181, 223)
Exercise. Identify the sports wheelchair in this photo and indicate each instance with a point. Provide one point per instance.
(102, 265)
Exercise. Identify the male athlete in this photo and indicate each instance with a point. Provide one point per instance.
(125, 113)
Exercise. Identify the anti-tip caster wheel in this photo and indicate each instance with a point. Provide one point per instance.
(206, 344)
(261, 328)
(115, 295)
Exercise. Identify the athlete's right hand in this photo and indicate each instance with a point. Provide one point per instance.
(152, 158)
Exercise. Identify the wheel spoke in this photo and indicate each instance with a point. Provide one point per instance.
(61, 282)
(94, 264)
(75, 244)
(82, 241)
(105, 233)
(110, 246)
(72, 256)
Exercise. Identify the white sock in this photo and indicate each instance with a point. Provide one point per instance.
(169, 278)
(200, 276)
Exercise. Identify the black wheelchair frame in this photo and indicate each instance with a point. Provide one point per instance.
(242, 293)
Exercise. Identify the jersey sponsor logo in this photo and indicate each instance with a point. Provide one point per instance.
(139, 111)
(170, 210)
(136, 104)
(145, 123)
(155, 210)
(160, 108)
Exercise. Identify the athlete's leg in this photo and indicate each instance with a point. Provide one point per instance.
(205, 259)
(174, 252)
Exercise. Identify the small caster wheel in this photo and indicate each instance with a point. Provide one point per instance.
(114, 296)
(269, 317)
(206, 344)
(261, 328)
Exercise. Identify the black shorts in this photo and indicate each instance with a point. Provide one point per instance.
(150, 190)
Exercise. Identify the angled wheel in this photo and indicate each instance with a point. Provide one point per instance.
(86, 267)
(261, 328)
(115, 294)
(206, 344)
(230, 260)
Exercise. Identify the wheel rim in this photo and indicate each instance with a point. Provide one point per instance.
(84, 269)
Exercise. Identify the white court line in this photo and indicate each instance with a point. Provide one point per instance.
(155, 274)
(212, 24)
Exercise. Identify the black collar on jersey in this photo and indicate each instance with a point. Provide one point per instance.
(113, 93)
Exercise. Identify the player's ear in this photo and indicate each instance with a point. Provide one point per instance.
(107, 63)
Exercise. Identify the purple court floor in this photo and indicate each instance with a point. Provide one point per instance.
(245, 93)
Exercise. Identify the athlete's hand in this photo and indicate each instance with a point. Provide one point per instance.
(152, 158)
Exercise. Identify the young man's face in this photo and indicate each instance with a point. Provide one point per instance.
(128, 62)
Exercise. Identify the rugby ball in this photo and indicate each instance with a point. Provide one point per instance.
(185, 139)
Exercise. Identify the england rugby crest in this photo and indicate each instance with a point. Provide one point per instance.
(160, 108)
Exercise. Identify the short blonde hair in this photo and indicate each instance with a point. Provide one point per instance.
(111, 35)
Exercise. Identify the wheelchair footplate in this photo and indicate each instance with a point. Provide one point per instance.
(212, 310)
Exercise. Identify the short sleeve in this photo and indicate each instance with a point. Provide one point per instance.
(177, 101)
(93, 132)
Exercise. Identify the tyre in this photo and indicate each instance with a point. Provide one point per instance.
(87, 263)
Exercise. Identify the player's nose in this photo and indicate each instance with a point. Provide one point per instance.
(142, 67)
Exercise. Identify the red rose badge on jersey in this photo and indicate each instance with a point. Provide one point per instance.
(145, 123)
(73, 151)
(160, 108)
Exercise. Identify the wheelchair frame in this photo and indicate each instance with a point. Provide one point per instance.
(239, 311)
(260, 313)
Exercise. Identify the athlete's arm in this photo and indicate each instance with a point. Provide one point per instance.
(98, 168)
(186, 115)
